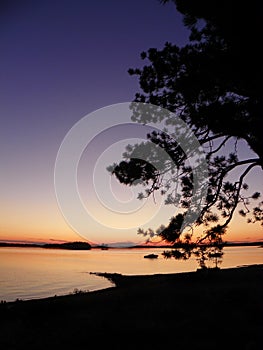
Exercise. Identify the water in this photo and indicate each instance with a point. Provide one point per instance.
(27, 273)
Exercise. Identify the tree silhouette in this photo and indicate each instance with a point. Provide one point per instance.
(213, 85)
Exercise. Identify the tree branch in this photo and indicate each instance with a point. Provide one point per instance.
(254, 162)
(211, 138)
(221, 145)
(240, 182)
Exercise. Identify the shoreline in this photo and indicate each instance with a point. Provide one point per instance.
(122, 280)
(219, 308)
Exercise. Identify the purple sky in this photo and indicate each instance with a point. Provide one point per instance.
(61, 60)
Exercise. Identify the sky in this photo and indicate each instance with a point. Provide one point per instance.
(63, 62)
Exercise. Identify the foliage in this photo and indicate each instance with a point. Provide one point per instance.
(212, 84)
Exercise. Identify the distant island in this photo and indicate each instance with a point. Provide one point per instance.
(67, 245)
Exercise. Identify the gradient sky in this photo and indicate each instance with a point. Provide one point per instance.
(61, 60)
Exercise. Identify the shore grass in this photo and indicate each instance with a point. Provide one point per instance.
(213, 309)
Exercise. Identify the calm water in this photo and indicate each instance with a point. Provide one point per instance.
(27, 273)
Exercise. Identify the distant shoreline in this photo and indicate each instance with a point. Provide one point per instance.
(87, 246)
(67, 245)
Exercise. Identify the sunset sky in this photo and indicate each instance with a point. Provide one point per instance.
(61, 61)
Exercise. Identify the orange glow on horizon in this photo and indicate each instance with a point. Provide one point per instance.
(47, 224)
(238, 232)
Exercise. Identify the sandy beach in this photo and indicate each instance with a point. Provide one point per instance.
(214, 309)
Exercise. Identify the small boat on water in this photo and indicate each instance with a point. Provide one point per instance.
(151, 256)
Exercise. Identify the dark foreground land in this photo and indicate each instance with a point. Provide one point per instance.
(217, 309)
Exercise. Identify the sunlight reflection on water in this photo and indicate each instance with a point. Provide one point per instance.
(27, 273)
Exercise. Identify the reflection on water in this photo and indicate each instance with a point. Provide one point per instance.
(36, 272)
